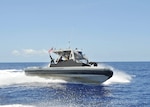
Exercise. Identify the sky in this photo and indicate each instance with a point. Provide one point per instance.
(105, 30)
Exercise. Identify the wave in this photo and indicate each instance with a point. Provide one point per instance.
(119, 77)
(14, 76)
(16, 105)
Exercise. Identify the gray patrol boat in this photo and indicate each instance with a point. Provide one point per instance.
(73, 66)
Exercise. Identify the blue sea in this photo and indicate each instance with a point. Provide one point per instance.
(129, 87)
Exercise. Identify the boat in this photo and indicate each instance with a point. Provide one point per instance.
(73, 66)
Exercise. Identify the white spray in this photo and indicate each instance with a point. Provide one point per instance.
(12, 76)
(119, 77)
(16, 105)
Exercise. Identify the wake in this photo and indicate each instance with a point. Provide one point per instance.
(16, 105)
(14, 76)
(119, 77)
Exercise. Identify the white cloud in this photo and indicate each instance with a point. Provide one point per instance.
(29, 52)
(15, 52)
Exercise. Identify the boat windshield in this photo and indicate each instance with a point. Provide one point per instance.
(79, 57)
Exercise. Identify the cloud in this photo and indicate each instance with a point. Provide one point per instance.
(29, 52)
(15, 52)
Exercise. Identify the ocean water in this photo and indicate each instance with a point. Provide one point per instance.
(129, 87)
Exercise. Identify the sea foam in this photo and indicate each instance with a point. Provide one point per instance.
(13, 76)
(16, 105)
(119, 77)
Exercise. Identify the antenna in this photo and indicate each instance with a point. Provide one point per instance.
(69, 44)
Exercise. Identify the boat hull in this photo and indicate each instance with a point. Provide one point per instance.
(88, 75)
